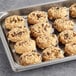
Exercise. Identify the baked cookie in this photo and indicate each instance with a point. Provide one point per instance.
(57, 12)
(25, 46)
(52, 53)
(30, 58)
(67, 36)
(45, 41)
(40, 29)
(14, 21)
(73, 10)
(70, 48)
(63, 24)
(18, 34)
(37, 16)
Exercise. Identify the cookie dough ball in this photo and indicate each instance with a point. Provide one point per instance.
(52, 53)
(70, 48)
(30, 58)
(18, 34)
(14, 21)
(40, 29)
(37, 16)
(57, 12)
(67, 36)
(73, 10)
(25, 46)
(63, 24)
(45, 41)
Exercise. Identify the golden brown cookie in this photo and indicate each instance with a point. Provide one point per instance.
(70, 48)
(73, 10)
(40, 29)
(37, 16)
(14, 21)
(67, 36)
(63, 24)
(57, 12)
(18, 34)
(25, 46)
(52, 53)
(30, 58)
(45, 41)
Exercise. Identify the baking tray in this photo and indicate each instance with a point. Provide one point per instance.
(24, 12)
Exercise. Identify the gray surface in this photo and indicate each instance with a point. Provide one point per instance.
(63, 69)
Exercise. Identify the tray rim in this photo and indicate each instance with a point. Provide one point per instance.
(14, 65)
(29, 6)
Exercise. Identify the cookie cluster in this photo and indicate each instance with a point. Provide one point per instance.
(46, 32)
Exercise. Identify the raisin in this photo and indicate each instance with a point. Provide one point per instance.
(75, 6)
(57, 8)
(20, 33)
(12, 35)
(38, 15)
(65, 36)
(42, 25)
(48, 53)
(44, 54)
(73, 44)
(33, 14)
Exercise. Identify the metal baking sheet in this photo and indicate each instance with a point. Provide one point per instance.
(12, 57)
